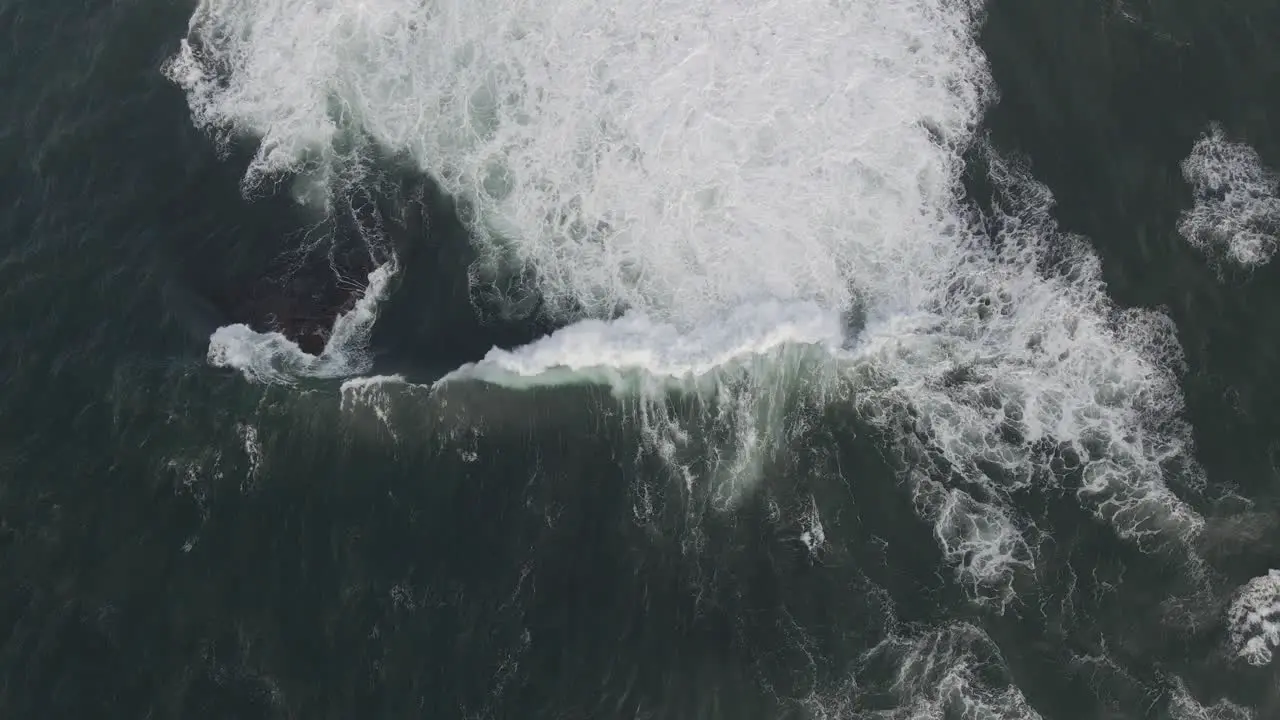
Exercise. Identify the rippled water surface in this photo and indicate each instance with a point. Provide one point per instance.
(896, 359)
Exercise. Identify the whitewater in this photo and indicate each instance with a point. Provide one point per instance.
(743, 199)
(694, 183)
(1237, 201)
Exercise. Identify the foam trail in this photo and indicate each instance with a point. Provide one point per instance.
(949, 672)
(272, 358)
(253, 453)
(1237, 201)
(981, 540)
(705, 170)
(1183, 706)
(1001, 356)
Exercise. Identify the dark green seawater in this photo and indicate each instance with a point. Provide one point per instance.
(176, 542)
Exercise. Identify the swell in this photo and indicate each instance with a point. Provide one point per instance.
(706, 197)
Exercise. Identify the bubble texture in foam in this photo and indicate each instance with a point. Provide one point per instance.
(681, 161)
(1237, 200)
(1015, 353)
(1254, 619)
(949, 672)
(666, 156)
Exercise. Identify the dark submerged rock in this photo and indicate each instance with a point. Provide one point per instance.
(307, 287)
(303, 301)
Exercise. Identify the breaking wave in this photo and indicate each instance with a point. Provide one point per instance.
(637, 354)
(727, 184)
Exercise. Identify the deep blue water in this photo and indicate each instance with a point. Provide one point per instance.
(482, 558)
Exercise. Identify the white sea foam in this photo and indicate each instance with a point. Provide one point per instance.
(1254, 619)
(948, 673)
(1237, 200)
(663, 156)
(733, 178)
(1182, 706)
(1000, 356)
(271, 357)
(253, 453)
(980, 539)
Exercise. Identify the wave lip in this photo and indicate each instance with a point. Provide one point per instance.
(638, 346)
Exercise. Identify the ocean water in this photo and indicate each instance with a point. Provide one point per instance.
(891, 359)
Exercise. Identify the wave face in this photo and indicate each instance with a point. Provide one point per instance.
(699, 183)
